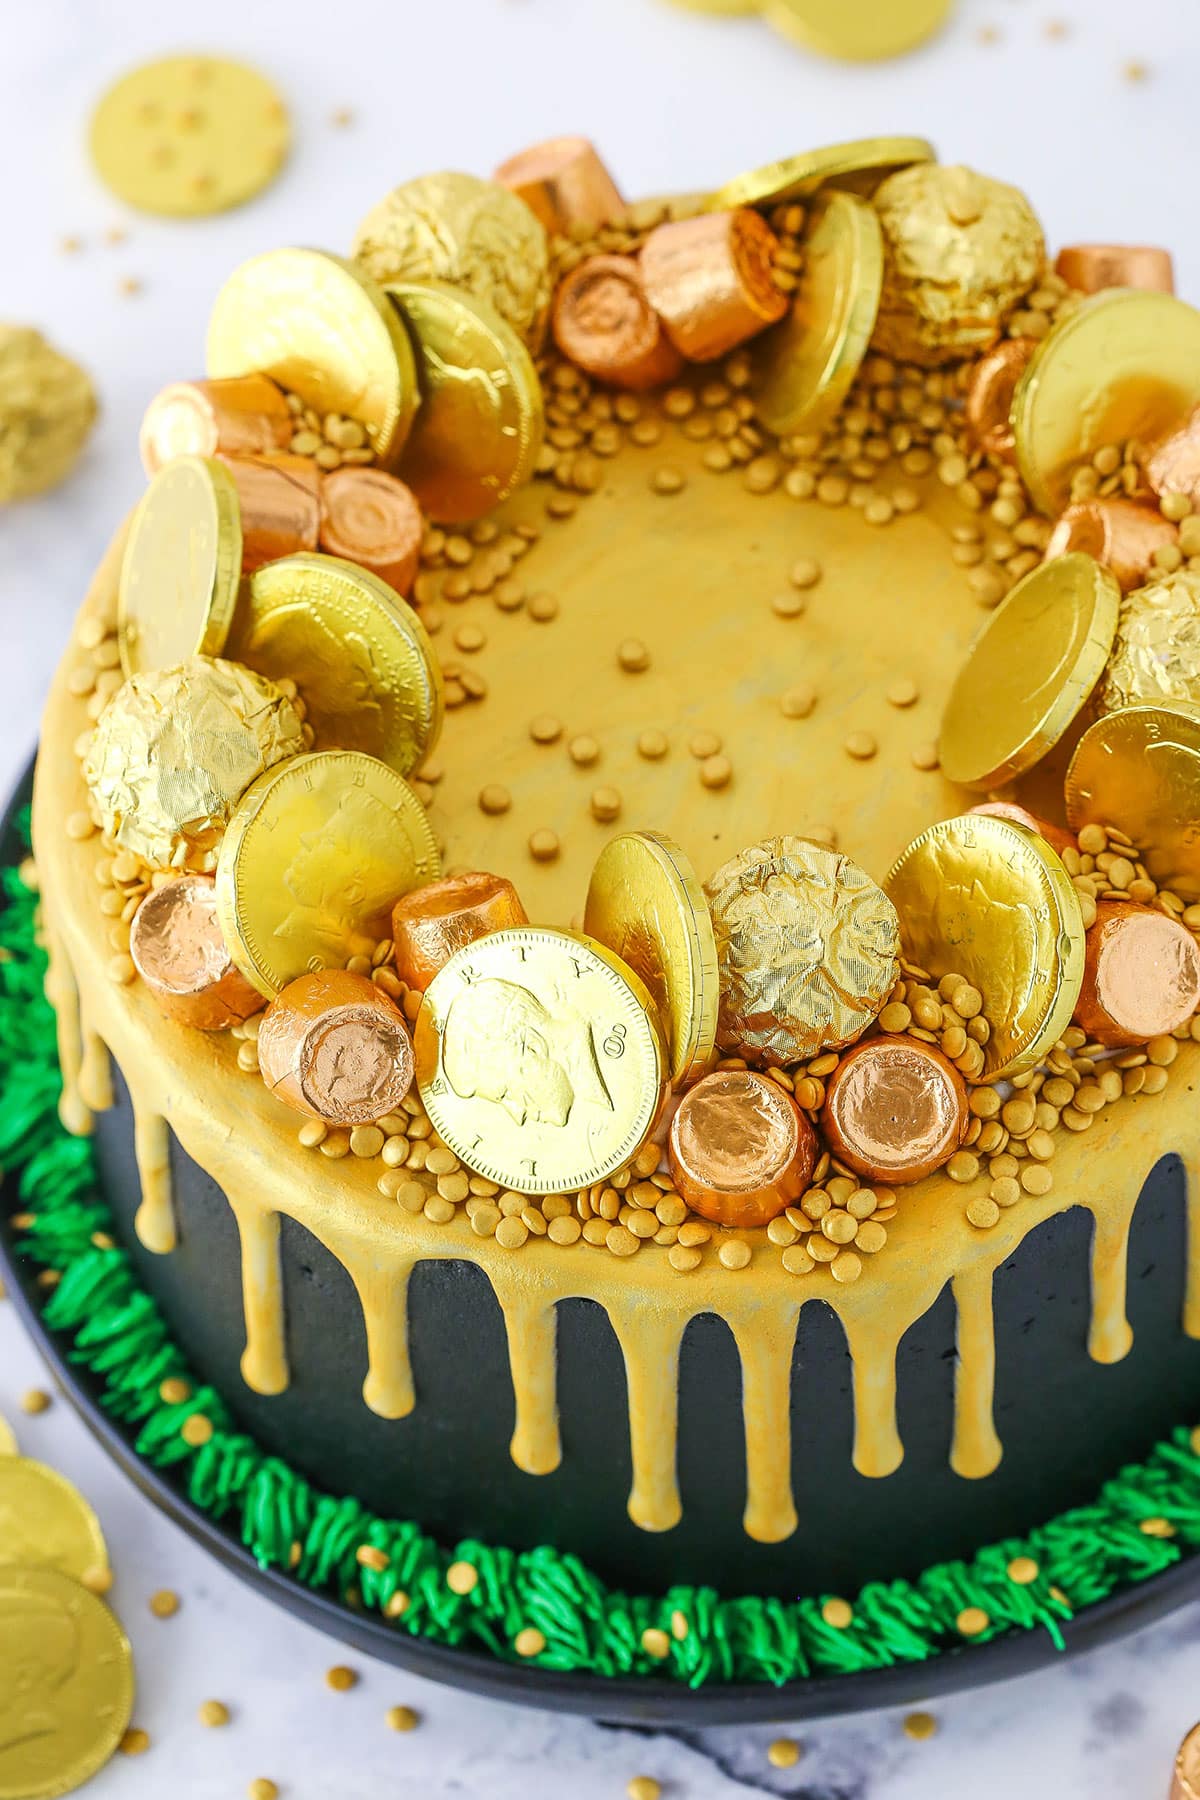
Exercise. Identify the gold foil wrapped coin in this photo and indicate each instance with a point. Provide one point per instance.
(479, 430)
(370, 518)
(1122, 534)
(604, 324)
(359, 655)
(1122, 365)
(895, 1109)
(472, 234)
(47, 410)
(564, 183)
(710, 280)
(861, 164)
(333, 1045)
(988, 900)
(807, 947)
(432, 923)
(245, 416)
(176, 748)
(804, 366)
(66, 1675)
(280, 502)
(857, 30)
(1141, 975)
(962, 252)
(320, 328)
(316, 854)
(1092, 267)
(181, 568)
(539, 1060)
(1156, 655)
(645, 902)
(1029, 671)
(177, 948)
(45, 1522)
(740, 1149)
(1139, 770)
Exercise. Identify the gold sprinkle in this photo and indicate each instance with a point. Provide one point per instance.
(397, 1605)
(716, 772)
(903, 692)
(370, 1556)
(633, 656)
(97, 1578)
(788, 606)
(340, 1678)
(213, 1713)
(544, 845)
(1023, 1570)
(129, 285)
(656, 1643)
(1156, 1528)
(1056, 30)
(262, 1788)
(784, 1753)
(164, 1604)
(987, 34)
(643, 1787)
(462, 1578)
(919, 1726)
(70, 246)
(837, 1613)
(925, 757)
(653, 745)
(401, 1718)
(1136, 72)
(862, 746)
(494, 799)
(972, 1620)
(805, 572)
(116, 234)
(134, 1742)
(529, 1642)
(583, 750)
(341, 117)
(606, 804)
(797, 702)
(542, 607)
(196, 1430)
(668, 480)
(545, 729)
(704, 744)
(35, 1400)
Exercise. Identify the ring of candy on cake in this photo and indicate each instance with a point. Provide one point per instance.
(740, 1072)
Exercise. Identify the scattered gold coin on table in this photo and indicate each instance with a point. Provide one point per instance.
(45, 1522)
(1123, 365)
(359, 655)
(47, 409)
(539, 1060)
(987, 899)
(1139, 770)
(646, 903)
(189, 135)
(861, 163)
(1029, 671)
(857, 30)
(321, 328)
(66, 1684)
(804, 366)
(181, 568)
(477, 435)
(316, 854)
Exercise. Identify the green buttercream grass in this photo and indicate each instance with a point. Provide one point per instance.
(115, 1332)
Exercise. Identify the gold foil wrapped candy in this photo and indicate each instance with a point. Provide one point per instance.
(807, 946)
(962, 251)
(47, 408)
(1156, 653)
(176, 748)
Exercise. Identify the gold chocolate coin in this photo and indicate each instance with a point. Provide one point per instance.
(1029, 671)
(189, 135)
(1139, 769)
(316, 854)
(857, 30)
(66, 1684)
(988, 899)
(803, 367)
(539, 1059)
(1124, 364)
(861, 164)
(45, 1523)
(645, 903)
(479, 430)
(181, 568)
(8, 1439)
(320, 328)
(358, 653)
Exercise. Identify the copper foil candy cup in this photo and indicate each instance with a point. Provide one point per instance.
(740, 1149)
(246, 415)
(1141, 975)
(709, 280)
(371, 519)
(178, 950)
(1121, 534)
(433, 922)
(564, 184)
(1173, 463)
(1091, 267)
(333, 1045)
(895, 1109)
(604, 323)
(280, 498)
(990, 395)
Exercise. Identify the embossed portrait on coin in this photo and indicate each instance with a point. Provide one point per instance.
(332, 665)
(1011, 942)
(39, 1653)
(501, 1043)
(327, 878)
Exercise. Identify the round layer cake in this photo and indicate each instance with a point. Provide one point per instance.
(690, 626)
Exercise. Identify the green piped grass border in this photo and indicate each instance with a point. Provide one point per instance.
(94, 1301)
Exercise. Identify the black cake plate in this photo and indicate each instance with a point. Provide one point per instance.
(620, 1700)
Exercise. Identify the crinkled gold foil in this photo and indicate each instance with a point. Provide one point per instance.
(1156, 654)
(808, 948)
(962, 250)
(176, 748)
(47, 408)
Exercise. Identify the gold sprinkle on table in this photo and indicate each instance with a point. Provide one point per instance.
(643, 1787)
(783, 1753)
(340, 1678)
(164, 1604)
(134, 1742)
(262, 1788)
(919, 1726)
(401, 1718)
(213, 1713)
(35, 1400)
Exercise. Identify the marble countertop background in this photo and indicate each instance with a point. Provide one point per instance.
(1036, 91)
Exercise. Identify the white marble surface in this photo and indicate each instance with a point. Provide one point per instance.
(677, 101)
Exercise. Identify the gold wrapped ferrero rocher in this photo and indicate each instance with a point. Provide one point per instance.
(1156, 653)
(962, 251)
(807, 946)
(47, 408)
(176, 748)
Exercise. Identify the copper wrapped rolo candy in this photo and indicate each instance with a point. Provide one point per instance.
(564, 183)
(434, 921)
(740, 1149)
(177, 949)
(372, 519)
(993, 382)
(332, 1044)
(280, 499)
(1121, 534)
(245, 415)
(895, 1109)
(1141, 975)
(710, 282)
(1172, 464)
(1091, 267)
(604, 323)
(1057, 836)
